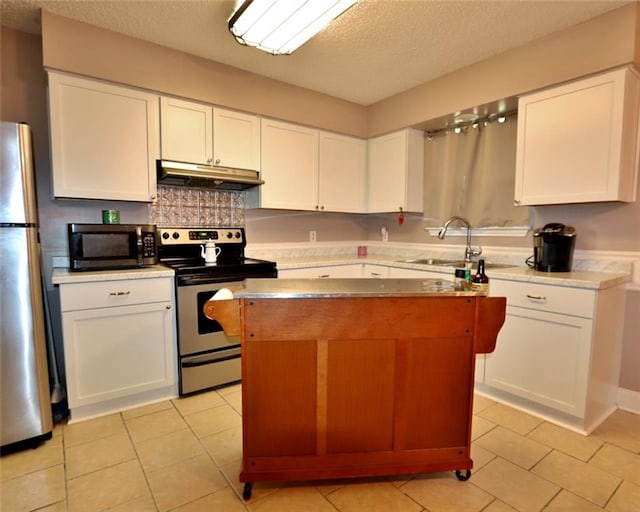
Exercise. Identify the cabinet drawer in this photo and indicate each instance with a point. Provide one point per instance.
(77, 296)
(542, 297)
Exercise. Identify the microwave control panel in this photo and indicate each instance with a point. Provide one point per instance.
(148, 245)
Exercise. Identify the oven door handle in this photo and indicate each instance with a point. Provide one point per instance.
(202, 361)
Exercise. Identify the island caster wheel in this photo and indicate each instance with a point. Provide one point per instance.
(463, 477)
(246, 493)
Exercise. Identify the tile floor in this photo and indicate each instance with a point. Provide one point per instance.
(184, 456)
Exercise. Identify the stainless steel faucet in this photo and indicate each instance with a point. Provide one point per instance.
(469, 252)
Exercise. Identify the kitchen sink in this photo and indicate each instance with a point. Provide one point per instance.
(434, 261)
(487, 265)
(454, 263)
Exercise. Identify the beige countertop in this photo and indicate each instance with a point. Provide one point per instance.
(578, 279)
(66, 276)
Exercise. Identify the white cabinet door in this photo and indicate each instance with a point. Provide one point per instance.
(236, 139)
(324, 272)
(542, 357)
(398, 272)
(342, 173)
(298, 273)
(104, 140)
(289, 158)
(117, 352)
(337, 271)
(578, 142)
(186, 131)
(375, 271)
(395, 172)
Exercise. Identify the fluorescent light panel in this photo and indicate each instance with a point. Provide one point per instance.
(281, 26)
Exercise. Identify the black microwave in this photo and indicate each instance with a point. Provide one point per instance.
(111, 246)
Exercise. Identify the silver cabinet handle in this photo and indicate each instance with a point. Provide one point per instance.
(209, 160)
(536, 297)
(119, 293)
(217, 161)
(168, 306)
(323, 275)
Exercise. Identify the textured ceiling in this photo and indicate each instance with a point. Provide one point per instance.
(376, 49)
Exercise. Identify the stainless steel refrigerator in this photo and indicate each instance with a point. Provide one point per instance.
(25, 402)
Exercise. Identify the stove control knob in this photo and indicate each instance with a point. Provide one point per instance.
(165, 235)
(229, 234)
(176, 235)
(238, 234)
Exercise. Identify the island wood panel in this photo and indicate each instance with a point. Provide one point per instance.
(343, 387)
(360, 395)
(434, 393)
(280, 416)
(359, 318)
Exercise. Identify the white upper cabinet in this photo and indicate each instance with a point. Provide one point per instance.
(577, 142)
(289, 159)
(104, 140)
(186, 133)
(395, 172)
(307, 169)
(201, 134)
(342, 173)
(236, 139)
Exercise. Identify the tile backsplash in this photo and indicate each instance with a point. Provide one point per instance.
(182, 206)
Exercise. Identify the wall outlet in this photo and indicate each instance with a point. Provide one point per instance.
(312, 236)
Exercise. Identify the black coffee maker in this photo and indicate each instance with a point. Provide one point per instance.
(553, 247)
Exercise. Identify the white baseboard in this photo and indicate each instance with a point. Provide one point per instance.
(629, 400)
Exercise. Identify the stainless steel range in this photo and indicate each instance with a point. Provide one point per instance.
(207, 357)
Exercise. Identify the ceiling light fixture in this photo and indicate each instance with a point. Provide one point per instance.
(281, 26)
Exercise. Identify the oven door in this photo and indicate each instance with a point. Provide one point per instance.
(196, 332)
(208, 357)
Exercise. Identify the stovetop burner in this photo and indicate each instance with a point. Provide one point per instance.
(180, 249)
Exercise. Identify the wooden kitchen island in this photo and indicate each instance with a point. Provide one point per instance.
(357, 377)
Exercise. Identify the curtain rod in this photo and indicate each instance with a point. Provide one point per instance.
(481, 121)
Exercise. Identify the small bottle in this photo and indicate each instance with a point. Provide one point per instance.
(459, 281)
(467, 278)
(480, 282)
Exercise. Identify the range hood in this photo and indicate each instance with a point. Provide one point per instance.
(204, 176)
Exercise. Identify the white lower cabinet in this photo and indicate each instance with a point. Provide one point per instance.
(543, 357)
(324, 272)
(397, 272)
(375, 271)
(119, 344)
(558, 352)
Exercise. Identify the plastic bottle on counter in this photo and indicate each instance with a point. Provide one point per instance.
(459, 280)
(467, 277)
(480, 281)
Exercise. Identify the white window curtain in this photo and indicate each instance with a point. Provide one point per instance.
(472, 174)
